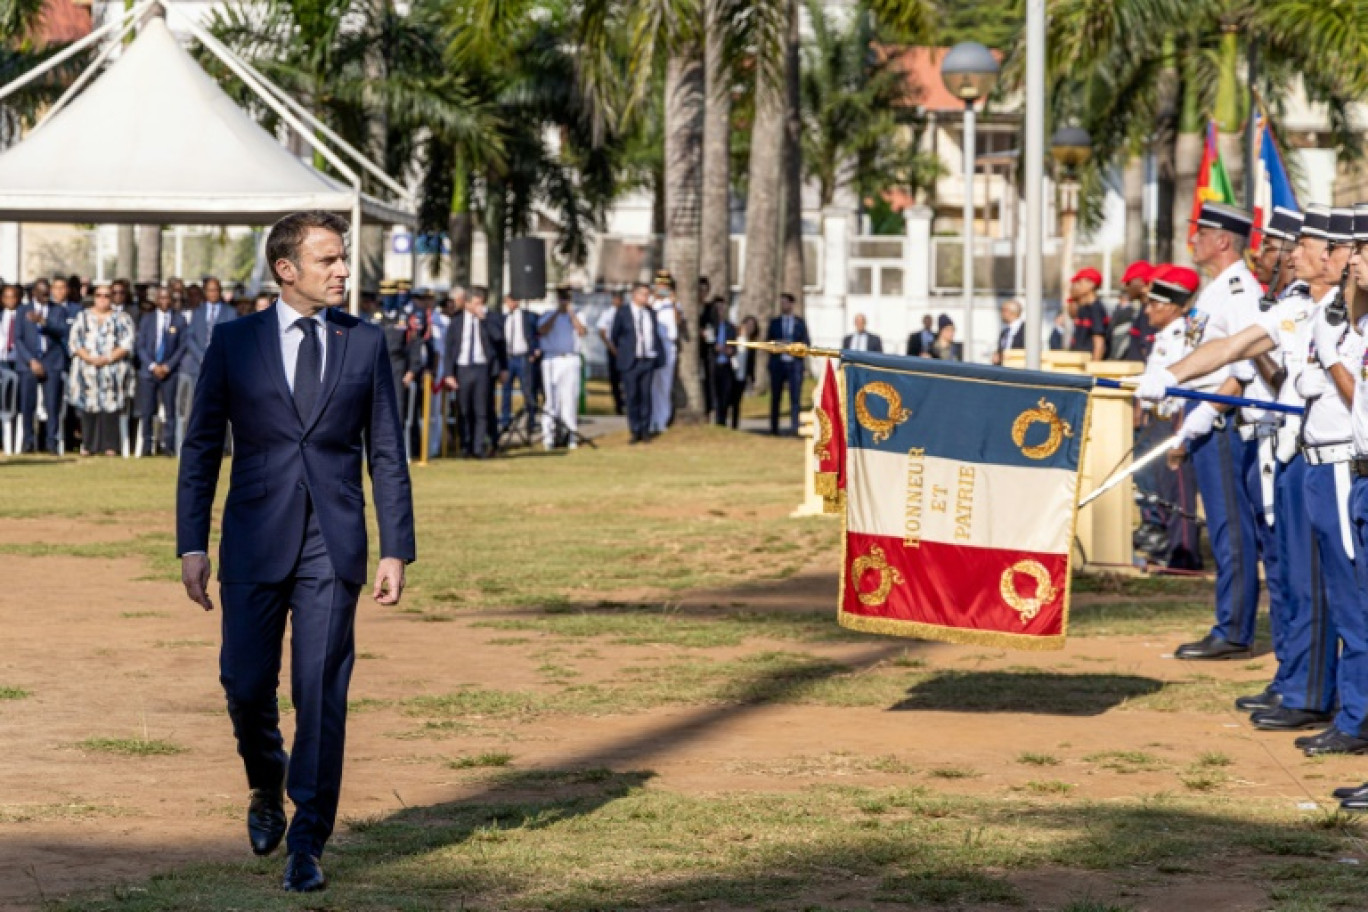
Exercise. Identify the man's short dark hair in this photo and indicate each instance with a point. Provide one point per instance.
(479, 291)
(788, 297)
(288, 233)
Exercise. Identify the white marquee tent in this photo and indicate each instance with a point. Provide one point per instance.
(155, 140)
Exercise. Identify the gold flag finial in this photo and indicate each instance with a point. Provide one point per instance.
(796, 349)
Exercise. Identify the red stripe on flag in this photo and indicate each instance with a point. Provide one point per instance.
(955, 587)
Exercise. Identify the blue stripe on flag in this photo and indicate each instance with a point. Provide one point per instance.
(967, 413)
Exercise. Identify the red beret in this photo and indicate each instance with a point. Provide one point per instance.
(1092, 275)
(1138, 270)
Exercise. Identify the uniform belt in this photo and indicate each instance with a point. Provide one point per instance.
(1327, 454)
(1358, 466)
(1256, 430)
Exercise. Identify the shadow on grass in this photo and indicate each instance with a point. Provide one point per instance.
(1043, 692)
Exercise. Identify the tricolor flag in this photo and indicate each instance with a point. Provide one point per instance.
(829, 443)
(1271, 184)
(961, 493)
(1213, 183)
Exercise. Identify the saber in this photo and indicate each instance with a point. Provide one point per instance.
(1130, 470)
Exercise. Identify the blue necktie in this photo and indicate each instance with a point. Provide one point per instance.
(308, 381)
(161, 342)
(722, 343)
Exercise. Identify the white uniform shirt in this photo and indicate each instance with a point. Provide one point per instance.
(1327, 420)
(1170, 347)
(667, 322)
(1288, 324)
(1359, 370)
(1227, 304)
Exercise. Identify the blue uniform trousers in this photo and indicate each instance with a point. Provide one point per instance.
(321, 609)
(1353, 679)
(1267, 537)
(1219, 459)
(1309, 658)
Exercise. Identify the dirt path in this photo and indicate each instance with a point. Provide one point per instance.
(105, 656)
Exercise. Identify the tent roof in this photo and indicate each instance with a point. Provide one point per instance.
(155, 140)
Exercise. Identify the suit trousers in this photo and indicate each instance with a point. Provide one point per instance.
(53, 392)
(150, 392)
(785, 374)
(722, 376)
(636, 389)
(475, 394)
(662, 391)
(321, 610)
(519, 369)
(615, 384)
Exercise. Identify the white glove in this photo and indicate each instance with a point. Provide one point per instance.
(1287, 439)
(1153, 383)
(1327, 339)
(1199, 422)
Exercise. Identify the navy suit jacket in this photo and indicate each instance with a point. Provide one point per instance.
(875, 343)
(28, 337)
(624, 337)
(197, 341)
(282, 462)
(776, 334)
(146, 343)
(455, 340)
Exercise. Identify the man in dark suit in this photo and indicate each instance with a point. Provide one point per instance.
(202, 322)
(1013, 334)
(40, 358)
(721, 369)
(786, 371)
(920, 342)
(639, 354)
(473, 358)
(307, 390)
(861, 339)
(161, 345)
(522, 353)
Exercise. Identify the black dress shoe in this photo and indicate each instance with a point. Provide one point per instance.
(1286, 719)
(1334, 741)
(266, 817)
(1306, 741)
(1348, 791)
(1258, 703)
(1210, 647)
(1356, 800)
(303, 874)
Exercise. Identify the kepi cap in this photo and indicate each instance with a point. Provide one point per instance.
(1341, 229)
(1285, 224)
(1316, 222)
(1225, 217)
(1361, 221)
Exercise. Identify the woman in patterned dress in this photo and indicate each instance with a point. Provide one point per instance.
(101, 344)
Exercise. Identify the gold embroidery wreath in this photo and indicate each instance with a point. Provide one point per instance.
(1028, 608)
(819, 446)
(888, 576)
(881, 427)
(1043, 413)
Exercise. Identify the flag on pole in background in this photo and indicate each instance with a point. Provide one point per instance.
(1271, 184)
(961, 494)
(1213, 183)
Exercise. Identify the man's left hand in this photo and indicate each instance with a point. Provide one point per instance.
(389, 581)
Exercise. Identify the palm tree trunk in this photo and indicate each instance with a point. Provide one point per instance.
(763, 196)
(149, 253)
(684, 91)
(377, 130)
(714, 259)
(461, 230)
(496, 225)
(1164, 144)
(793, 164)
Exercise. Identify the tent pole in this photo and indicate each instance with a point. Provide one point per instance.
(81, 80)
(74, 49)
(354, 304)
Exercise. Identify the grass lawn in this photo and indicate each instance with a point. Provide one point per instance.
(618, 582)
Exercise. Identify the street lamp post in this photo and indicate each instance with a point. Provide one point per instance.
(1070, 147)
(969, 72)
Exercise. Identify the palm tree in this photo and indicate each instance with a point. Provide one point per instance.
(1136, 72)
(714, 258)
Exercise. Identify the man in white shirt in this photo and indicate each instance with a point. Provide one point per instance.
(662, 381)
(472, 360)
(861, 340)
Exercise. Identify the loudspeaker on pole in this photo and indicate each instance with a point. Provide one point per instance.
(527, 268)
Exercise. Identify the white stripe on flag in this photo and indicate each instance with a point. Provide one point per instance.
(922, 498)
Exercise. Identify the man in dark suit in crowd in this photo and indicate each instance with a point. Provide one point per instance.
(786, 371)
(203, 321)
(861, 339)
(721, 370)
(1013, 334)
(473, 358)
(639, 354)
(522, 352)
(707, 330)
(308, 390)
(920, 342)
(161, 345)
(40, 357)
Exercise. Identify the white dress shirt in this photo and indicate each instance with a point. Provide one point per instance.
(8, 329)
(645, 338)
(517, 339)
(859, 342)
(292, 336)
(472, 348)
